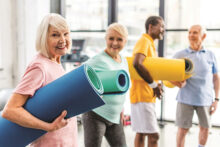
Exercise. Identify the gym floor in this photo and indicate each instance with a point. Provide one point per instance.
(167, 136)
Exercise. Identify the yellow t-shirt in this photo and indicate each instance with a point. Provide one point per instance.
(140, 90)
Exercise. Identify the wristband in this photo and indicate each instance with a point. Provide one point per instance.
(153, 84)
(216, 99)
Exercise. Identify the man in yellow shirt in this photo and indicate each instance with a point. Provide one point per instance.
(143, 93)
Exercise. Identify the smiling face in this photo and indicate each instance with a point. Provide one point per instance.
(157, 31)
(58, 42)
(196, 37)
(115, 42)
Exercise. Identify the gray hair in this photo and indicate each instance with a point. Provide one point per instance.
(202, 29)
(51, 19)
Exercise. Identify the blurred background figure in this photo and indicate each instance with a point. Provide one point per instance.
(196, 93)
(107, 120)
(143, 93)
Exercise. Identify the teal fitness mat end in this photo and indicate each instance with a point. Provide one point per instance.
(115, 81)
(123, 80)
(93, 79)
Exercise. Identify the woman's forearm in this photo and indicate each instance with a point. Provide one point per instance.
(15, 112)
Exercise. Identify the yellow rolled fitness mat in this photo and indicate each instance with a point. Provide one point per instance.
(163, 69)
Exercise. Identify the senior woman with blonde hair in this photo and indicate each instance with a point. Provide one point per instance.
(107, 119)
(53, 41)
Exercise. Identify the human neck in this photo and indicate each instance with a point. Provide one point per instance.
(151, 35)
(55, 59)
(115, 57)
(196, 47)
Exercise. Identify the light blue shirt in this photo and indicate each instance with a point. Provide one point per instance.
(113, 103)
(199, 89)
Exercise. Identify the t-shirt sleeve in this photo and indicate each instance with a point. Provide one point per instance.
(215, 66)
(31, 81)
(177, 55)
(97, 62)
(142, 46)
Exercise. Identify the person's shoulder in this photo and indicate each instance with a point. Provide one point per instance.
(180, 53)
(98, 61)
(210, 52)
(36, 61)
(97, 57)
(39, 61)
(145, 38)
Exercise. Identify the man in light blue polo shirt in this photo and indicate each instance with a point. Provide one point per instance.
(201, 91)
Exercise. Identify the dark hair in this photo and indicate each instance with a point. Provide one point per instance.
(154, 20)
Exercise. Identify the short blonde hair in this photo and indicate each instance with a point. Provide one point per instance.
(54, 20)
(121, 29)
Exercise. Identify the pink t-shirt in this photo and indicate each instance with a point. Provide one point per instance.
(40, 72)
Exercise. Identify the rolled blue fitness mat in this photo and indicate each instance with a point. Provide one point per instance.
(77, 92)
(115, 81)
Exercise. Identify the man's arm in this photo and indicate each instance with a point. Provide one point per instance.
(216, 89)
(144, 73)
(216, 83)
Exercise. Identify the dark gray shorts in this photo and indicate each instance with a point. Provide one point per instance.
(95, 127)
(184, 115)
